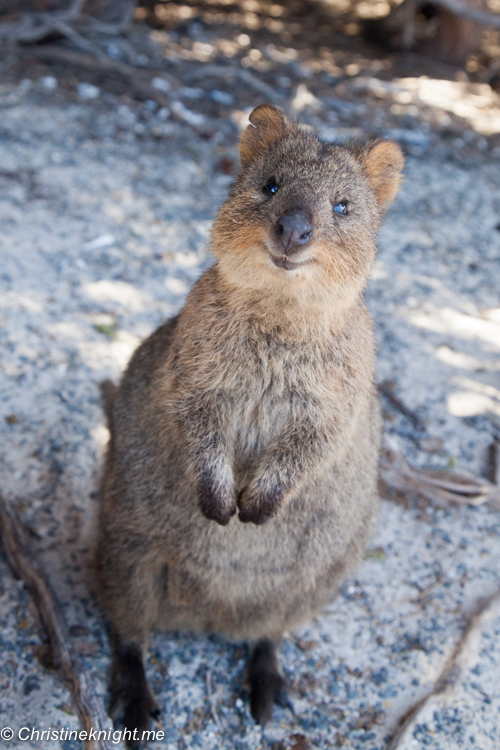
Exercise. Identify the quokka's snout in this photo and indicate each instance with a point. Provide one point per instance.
(294, 229)
(240, 484)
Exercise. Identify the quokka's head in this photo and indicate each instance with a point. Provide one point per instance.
(303, 214)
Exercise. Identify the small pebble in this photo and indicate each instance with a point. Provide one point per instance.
(160, 84)
(193, 118)
(189, 92)
(49, 82)
(113, 50)
(412, 137)
(222, 97)
(88, 91)
(104, 240)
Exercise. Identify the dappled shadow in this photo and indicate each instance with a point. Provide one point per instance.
(106, 209)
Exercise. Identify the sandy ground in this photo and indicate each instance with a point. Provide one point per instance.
(105, 213)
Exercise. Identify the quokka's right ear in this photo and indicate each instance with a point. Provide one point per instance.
(267, 125)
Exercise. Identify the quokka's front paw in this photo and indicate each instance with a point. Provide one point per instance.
(216, 505)
(259, 506)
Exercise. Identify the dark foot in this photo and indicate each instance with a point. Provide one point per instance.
(132, 704)
(267, 685)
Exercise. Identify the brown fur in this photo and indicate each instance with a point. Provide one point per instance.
(257, 400)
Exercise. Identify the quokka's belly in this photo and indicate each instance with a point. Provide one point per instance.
(247, 581)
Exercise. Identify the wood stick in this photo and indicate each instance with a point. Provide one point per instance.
(52, 52)
(211, 699)
(453, 669)
(133, 76)
(229, 72)
(458, 8)
(387, 391)
(409, 24)
(495, 461)
(35, 26)
(25, 565)
(78, 40)
(449, 487)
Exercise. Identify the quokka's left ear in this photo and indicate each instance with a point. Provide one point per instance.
(383, 162)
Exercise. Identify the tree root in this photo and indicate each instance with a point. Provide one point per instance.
(33, 28)
(442, 486)
(134, 77)
(25, 565)
(460, 660)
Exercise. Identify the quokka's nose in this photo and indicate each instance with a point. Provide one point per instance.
(294, 230)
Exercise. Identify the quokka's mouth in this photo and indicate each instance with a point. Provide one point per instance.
(281, 261)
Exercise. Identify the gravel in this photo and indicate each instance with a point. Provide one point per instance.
(105, 209)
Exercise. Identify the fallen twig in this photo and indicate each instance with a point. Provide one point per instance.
(88, 704)
(454, 668)
(33, 27)
(229, 72)
(483, 17)
(211, 699)
(458, 31)
(78, 40)
(405, 13)
(106, 65)
(410, 9)
(449, 487)
(495, 462)
(134, 77)
(386, 390)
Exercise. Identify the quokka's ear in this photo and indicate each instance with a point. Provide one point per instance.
(383, 161)
(267, 125)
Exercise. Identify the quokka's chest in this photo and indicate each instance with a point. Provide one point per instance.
(273, 393)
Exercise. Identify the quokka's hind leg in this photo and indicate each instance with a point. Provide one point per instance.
(131, 582)
(267, 684)
(132, 704)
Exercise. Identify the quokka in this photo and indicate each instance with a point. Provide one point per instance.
(240, 484)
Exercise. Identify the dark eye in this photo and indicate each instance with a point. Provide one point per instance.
(271, 187)
(341, 208)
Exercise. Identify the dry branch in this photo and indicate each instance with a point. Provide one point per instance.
(71, 23)
(444, 486)
(460, 25)
(405, 13)
(230, 72)
(460, 9)
(104, 66)
(212, 700)
(386, 390)
(454, 669)
(25, 565)
(135, 78)
(495, 462)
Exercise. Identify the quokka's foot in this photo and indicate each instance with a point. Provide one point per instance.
(267, 685)
(132, 704)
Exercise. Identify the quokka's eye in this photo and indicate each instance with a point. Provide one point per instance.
(341, 208)
(271, 187)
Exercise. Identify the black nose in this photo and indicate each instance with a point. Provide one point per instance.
(294, 230)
